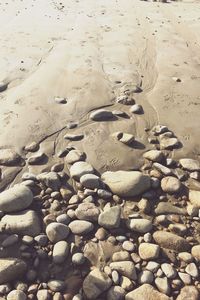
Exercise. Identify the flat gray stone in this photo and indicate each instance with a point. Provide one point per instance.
(154, 155)
(170, 185)
(80, 168)
(90, 181)
(101, 115)
(110, 218)
(165, 208)
(57, 232)
(81, 227)
(15, 199)
(126, 183)
(11, 269)
(8, 157)
(125, 268)
(171, 241)
(74, 156)
(87, 212)
(139, 225)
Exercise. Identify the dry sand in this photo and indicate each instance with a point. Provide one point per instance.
(81, 50)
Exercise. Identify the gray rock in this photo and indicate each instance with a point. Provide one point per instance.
(32, 147)
(125, 100)
(186, 256)
(121, 256)
(104, 194)
(41, 239)
(43, 295)
(57, 232)
(80, 168)
(148, 251)
(81, 227)
(145, 277)
(60, 100)
(128, 246)
(11, 240)
(60, 252)
(78, 259)
(192, 270)
(11, 269)
(36, 158)
(186, 278)
(171, 241)
(169, 143)
(194, 197)
(110, 218)
(190, 164)
(95, 283)
(139, 225)
(126, 183)
(168, 270)
(8, 157)
(125, 268)
(24, 223)
(3, 86)
(90, 181)
(115, 293)
(136, 109)
(115, 277)
(164, 170)
(153, 266)
(50, 179)
(188, 293)
(159, 129)
(125, 138)
(196, 252)
(165, 208)
(16, 295)
(154, 155)
(56, 285)
(163, 285)
(74, 156)
(64, 219)
(146, 291)
(74, 137)
(170, 185)
(101, 115)
(16, 198)
(87, 212)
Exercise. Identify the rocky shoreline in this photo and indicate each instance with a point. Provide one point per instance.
(72, 233)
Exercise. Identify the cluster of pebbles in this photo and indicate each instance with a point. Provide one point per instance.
(72, 233)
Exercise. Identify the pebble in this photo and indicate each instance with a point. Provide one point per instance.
(101, 234)
(16, 295)
(186, 257)
(63, 218)
(74, 156)
(73, 137)
(87, 212)
(170, 185)
(3, 86)
(194, 197)
(81, 227)
(165, 208)
(168, 270)
(78, 259)
(126, 283)
(116, 293)
(164, 170)
(36, 159)
(60, 252)
(171, 241)
(136, 109)
(80, 168)
(128, 246)
(163, 285)
(159, 129)
(104, 194)
(110, 218)
(60, 100)
(148, 251)
(115, 277)
(41, 239)
(43, 295)
(101, 115)
(141, 293)
(11, 240)
(168, 143)
(95, 283)
(57, 232)
(126, 183)
(11, 269)
(125, 268)
(192, 270)
(121, 256)
(186, 278)
(154, 155)
(90, 181)
(189, 293)
(152, 266)
(50, 179)
(24, 223)
(190, 164)
(16, 198)
(32, 147)
(8, 157)
(56, 285)
(145, 277)
(139, 225)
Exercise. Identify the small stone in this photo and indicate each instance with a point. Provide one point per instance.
(190, 164)
(125, 138)
(11, 269)
(11, 240)
(186, 278)
(101, 234)
(154, 155)
(128, 246)
(50, 179)
(90, 181)
(139, 225)
(165, 208)
(63, 218)
(16, 198)
(32, 147)
(187, 257)
(136, 109)
(57, 232)
(95, 283)
(126, 283)
(121, 256)
(126, 183)
(74, 156)
(179, 229)
(196, 252)
(144, 205)
(104, 194)
(145, 277)
(87, 212)
(162, 285)
(170, 185)
(43, 295)
(56, 285)
(168, 270)
(73, 137)
(147, 237)
(169, 143)
(81, 227)
(146, 291)
(116, 293)
(60, 252)
(80, 168)
(60, 100)
(125, 100)
(171, 241)
(3, 86)
(125, 268)
(36, 158)
(110, 218)
(194, 197)
(159, 129)
(78, 259)
(148, 251)
(164, 170)
(188, 293)
(101, 115)
(195, 175)
(192, 270)
(115, 277)
(16, 295)
(152, 266)
(41, 239)
(8, 157)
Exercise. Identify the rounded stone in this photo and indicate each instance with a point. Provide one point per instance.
(57, 232)
(78, 259)
(60, 252)
(78, 169)
(139, 225)
(90, 181)
(16, 198)
(11, 269)
(126, 183)
(87, 212)
(170, 184)
(56, 285)
(145, 277)
(81, 227)
(148, 251)
(16, 295)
